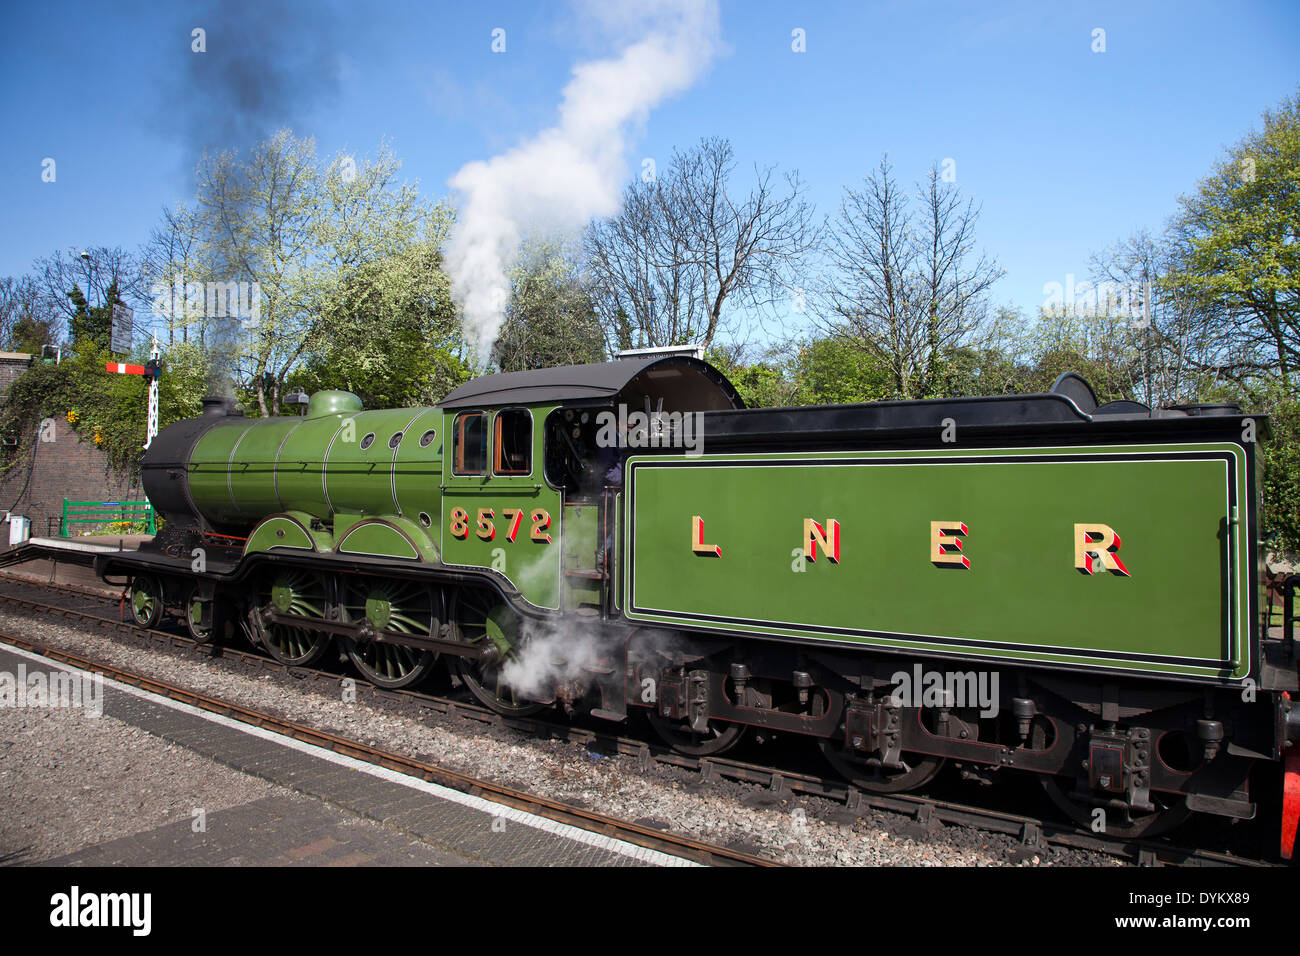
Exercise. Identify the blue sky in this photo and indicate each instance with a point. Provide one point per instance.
(1067, 150)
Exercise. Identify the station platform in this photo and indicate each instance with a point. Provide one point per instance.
(48, 567)
(265, 799)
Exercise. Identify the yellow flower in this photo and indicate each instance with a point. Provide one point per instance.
(73, 417)
(99, 438)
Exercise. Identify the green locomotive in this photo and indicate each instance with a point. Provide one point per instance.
(1030, 582)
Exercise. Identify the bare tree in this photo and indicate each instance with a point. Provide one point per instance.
(1171, 332)
(908, 283)
(685, 253)
(97, 272)
(168, 262)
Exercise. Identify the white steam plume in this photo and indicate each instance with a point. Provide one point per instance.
(565, 175)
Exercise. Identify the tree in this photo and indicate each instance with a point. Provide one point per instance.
(1282, 474)
(25, 325)
(171, 262)
(762, 383)
(1237, 253)
(298, 232)
(184, 382)
(393, 335)
(550, 318)
(908, 282)
(834, 371)
(100, 275)
(1170, 332)
(92, 326)
(685, 253)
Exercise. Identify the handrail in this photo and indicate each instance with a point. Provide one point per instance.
(107, 512)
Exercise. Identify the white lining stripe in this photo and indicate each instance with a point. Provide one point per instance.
(576, 834)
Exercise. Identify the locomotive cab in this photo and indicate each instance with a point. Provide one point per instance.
(534, 465)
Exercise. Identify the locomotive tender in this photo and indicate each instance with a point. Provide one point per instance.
(1033, 582)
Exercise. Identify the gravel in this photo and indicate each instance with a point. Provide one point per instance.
(796, 830)
(71, 781)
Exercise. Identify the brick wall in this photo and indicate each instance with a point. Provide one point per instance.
(12, 364)
(68, 467)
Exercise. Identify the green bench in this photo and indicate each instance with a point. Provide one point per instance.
(106, 513)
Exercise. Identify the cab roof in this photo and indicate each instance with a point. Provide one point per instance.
(684, 383)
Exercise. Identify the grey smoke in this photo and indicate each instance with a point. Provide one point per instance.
(268, 64)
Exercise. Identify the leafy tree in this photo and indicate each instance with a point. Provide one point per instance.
(1237, 244)
(92, 326)
(550, 318)
(1098, 347)
(763, 382)
(26, 325)
(1282, 474)
(416, 374)
(390, 332)
(183, 385)
(834, 371)
(30, 335)
(310, 236)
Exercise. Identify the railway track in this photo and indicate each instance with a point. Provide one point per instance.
(925, 812)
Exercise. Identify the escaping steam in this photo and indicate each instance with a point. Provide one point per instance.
(565, 175)
(554, 657)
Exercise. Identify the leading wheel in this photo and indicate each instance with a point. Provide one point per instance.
(146, 600)
(400, 606)
(917, 770)
(198, 616)
(292, 593)
(480, 619)
(721, 736)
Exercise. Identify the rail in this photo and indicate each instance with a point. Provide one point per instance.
(107, 512)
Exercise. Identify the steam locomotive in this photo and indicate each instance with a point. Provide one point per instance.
(1033, 583)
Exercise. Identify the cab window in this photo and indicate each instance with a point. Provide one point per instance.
(512, 442)
(469, 444)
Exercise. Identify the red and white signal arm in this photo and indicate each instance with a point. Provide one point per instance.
(152, 368)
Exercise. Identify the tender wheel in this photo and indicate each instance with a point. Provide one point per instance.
(296, 593)
(1171, 810)
(1127, 824)
(146, 600)
(197, 623)
(478, 618)
(918, 769)
(721, 736)
(394, 606)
